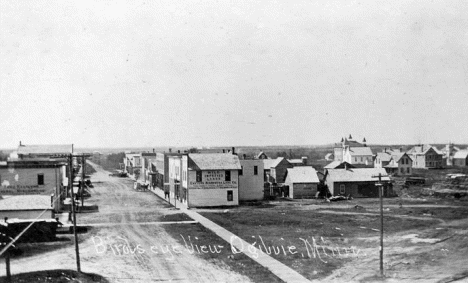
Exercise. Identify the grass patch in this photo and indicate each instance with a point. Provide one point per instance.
(52, 276)
(199, 236)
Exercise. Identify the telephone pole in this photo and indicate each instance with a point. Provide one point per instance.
(70, 184)
(379, 185)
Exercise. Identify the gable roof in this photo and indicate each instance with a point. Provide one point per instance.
(356, 175)
(260, 154)
(423, 149)
(461, 154)
(214, 161)
(384, 156)
(360, 151)
(267, 163)
(338, 164)
(302, 174)
(278, 160)
(25, 202)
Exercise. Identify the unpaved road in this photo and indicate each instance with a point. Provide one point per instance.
(131, 258)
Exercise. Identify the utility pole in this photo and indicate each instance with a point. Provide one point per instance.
(70, 182)
(379, 185)
(83, 166)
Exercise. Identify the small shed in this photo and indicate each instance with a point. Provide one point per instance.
(461, 158)
(302, 181)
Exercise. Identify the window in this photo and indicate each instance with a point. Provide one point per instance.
(402, 170)
(255, 170)
(227, 175)
(342, 189)
(40, 179)
(199, 176)
(230, 196)
(240, 171)
(407, 170)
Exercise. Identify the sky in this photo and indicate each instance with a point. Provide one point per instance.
(222, 73)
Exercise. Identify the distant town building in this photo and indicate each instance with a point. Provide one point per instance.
(426, 156)
(278, 169)
(461, 158)
(357, 182)
(302, 182)
(353, 152)
(251, 179)
(203, 180)
(395, 162)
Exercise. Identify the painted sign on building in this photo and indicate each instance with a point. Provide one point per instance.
(22, 190)
(213, 180)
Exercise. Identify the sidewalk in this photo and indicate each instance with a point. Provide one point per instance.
(284, 272)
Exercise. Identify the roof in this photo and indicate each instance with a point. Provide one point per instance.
(398, 155)
(338, 164)
(214, 161)
(303, 174)
(360, 151)
(268, 162)
(462, 154)
(277, 161)
(45, 149)
(384, 156)
(295, 161)
(357, 174)
(25, 202)
(423, 149)
(259, 155)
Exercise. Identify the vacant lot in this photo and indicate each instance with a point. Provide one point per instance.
(340, 241)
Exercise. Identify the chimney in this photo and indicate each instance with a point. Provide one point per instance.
(304, 160)
(401, 149)
(244, 156)
(224, 151)
(233, 151)
(20, 144)
(154, 151)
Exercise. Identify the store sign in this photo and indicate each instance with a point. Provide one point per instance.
(213, 180)
(22, 190)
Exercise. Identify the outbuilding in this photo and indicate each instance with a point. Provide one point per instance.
(302, 182)
(357, 182)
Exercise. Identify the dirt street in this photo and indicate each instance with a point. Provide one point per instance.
(124, 253)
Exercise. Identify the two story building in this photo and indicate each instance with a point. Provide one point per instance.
(426, 156)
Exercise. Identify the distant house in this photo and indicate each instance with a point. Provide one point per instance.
(147, 158)
(461, 158)
(132, 164)
(261, 155)
(357, 182)
(267, 163)
(51, 151)
(426, 156)
(302, 181)
(449, 152)
(278, 169)
(251, 180)
(329, 157)
(395, 162)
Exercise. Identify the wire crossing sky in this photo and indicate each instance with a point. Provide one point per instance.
(149, 73)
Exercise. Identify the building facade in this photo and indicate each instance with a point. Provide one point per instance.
(251, 179)
(302, 182)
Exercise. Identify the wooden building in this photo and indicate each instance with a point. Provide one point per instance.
(357, 182)
(302, 182)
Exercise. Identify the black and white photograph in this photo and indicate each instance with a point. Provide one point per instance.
(233, 141)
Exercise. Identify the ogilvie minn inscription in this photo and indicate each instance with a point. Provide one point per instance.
(309, 248)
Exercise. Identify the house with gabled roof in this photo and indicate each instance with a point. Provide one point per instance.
(426, 157)
(278, 169)
(302, 182)
(357, 182)
(395, 162)
(461, 158)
